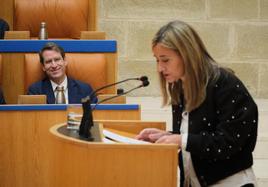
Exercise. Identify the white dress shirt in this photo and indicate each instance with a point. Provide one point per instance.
(236, 180)
(65, 87)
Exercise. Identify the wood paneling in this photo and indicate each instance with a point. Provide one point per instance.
(93, 15)
(26, 146)
(131, 126)
(6, 11)
(81, 163)
(12, 76)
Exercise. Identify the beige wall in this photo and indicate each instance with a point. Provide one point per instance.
(234, 31)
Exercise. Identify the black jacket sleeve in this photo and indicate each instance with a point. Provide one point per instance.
(235, 126)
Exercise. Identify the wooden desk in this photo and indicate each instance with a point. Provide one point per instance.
(29, 153)
(79, 163)
(25, 141)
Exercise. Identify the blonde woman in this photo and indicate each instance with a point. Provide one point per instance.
(214, 117)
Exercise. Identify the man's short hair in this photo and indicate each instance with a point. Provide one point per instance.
(53, 47)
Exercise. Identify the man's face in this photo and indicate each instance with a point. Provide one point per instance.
(54, 65)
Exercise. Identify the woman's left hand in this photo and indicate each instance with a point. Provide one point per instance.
(170, 139)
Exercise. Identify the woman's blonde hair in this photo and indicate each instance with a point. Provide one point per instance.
(199, 66)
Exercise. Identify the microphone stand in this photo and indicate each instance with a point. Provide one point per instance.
(87, 120)
(109, 85)
(144, 84)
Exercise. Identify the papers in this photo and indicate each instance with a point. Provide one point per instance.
(119, 138)
(106, 140)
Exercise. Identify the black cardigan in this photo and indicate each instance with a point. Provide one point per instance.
(222, 130)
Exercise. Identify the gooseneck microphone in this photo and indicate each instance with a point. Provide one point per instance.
(87, 119)
(144, 84)
(142, 78)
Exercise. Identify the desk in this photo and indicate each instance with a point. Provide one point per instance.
(80, 163)
(28, 151)
(13, 52)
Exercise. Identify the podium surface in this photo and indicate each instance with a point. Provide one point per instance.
(81, 163)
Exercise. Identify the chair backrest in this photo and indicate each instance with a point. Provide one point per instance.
(64, 19)
(90, 68)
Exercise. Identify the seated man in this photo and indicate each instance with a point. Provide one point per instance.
(2, 99)
(52, 58)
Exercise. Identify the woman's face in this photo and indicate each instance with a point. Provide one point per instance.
(169, 63)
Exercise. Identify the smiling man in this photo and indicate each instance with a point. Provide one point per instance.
(52, 58)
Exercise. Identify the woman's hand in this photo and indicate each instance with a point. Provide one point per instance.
(151, 134)
(170, 139)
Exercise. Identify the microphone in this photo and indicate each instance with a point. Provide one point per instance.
(144, 84)
(87, 119)
(142, 78)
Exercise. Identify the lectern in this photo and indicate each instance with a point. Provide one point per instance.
(80, 163)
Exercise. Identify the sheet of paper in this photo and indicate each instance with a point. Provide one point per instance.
(122, 139)
(106, 140)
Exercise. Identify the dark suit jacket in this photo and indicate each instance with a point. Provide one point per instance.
(222, 130)
(2, 99)
(76, 91)
(3, 27)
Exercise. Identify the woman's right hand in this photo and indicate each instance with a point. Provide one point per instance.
(151, 134)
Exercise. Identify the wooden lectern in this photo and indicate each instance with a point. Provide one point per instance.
(80, 163)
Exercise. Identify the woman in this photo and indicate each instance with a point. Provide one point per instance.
(214, 116)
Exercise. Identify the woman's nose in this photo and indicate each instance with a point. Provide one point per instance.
(159, 68)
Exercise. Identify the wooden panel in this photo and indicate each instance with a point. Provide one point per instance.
(6, 11)
(24, 150)
(29, 155)
(113, 115)
(12, 78)
(93, 15)
(93, 35)
(25, 145)
(95, 164)
(112, 70)
(117, 100)
(17, 35)
(132, 126)
(32, 99)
